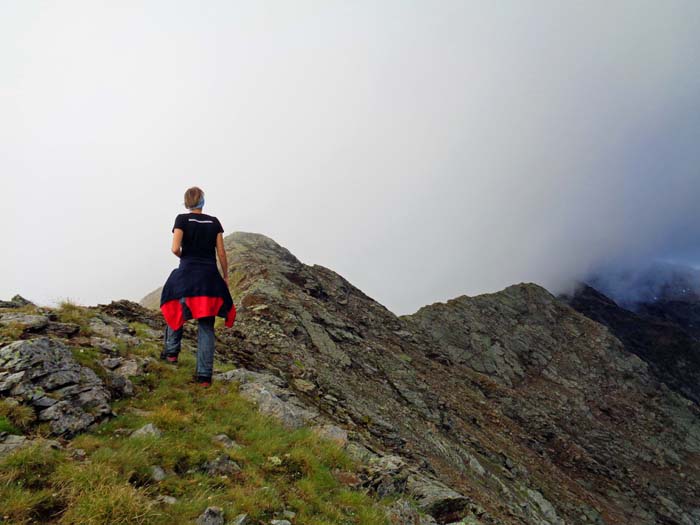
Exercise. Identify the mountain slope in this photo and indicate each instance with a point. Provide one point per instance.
(658, 333)
(530, 411)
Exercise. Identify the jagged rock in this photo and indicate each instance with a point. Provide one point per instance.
(148, 430)
(241, 519)
(10, 442)
(108, 327)
(119, 385)
(28, 322)
(437, 499)
(211, 516)
(16, 302)
(130, 311)
(290, 514)
(386, 475)
(64, 330)
(270, 396)
(222, 465)
(168, 500)
(42, 372)
(280, 522)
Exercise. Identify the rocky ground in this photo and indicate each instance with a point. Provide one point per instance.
(520, 409)
(507, 408)
(95, 429)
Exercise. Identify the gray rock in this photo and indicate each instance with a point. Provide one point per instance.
(157, 473)
(268, 392)
(545, 507)
(28, 322)
(119, 385)
(280, 522)
(221, 466)
(110, 327)
(290, 514)
(148, 430)
(435, 498)
(168, 500)
(225, 441)
(241, 519)
(105, 345)
(10, 442)
(42, 372)
(386, 475)
(211, 516)
(64, 330)
(100, 328)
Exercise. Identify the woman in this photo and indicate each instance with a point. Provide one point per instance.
(196, 289)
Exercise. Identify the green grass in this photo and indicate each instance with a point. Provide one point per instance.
(71, 312)
(280, 469)
(15, 417)
(7, 426)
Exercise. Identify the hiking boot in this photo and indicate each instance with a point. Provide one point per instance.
(169, 358)
(203, 381)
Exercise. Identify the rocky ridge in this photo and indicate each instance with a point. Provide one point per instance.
(523, 409)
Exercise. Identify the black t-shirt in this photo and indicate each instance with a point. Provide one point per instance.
(200, 231)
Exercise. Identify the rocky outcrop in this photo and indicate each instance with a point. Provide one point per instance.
(42, 373)
(505, 408)
(664, 334)
(16, 302)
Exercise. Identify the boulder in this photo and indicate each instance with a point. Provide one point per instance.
(42, 372)
(28, 322)
(271, 396)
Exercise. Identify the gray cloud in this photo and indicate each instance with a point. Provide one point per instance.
(421, 149)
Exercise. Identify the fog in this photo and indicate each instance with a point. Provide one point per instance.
(423, 150)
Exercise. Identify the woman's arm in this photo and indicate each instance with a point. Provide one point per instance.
(177, 241)
(222, 256)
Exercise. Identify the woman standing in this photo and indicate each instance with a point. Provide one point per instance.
(196, 289)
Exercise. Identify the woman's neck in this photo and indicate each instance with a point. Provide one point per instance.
(196, 210)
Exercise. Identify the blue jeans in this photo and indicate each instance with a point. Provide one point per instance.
(205, 344)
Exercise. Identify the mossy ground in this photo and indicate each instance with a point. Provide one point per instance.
(113, 484)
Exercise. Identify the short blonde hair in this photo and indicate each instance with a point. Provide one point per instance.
(192, 197)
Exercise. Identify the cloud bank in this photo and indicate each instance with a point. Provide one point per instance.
(423, 150)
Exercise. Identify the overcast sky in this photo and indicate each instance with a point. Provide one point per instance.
(423, 150)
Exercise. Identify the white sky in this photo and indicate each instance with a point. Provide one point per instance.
(420, 149)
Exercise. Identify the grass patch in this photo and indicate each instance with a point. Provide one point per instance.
(71, 312)
(15, 417)
(7, 426)
(10, 332)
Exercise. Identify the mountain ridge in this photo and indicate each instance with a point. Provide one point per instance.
(503, 397)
